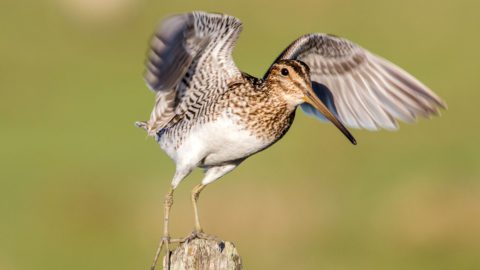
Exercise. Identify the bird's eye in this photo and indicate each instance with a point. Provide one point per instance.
(284, 71)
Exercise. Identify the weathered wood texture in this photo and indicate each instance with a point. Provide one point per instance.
(202, 254)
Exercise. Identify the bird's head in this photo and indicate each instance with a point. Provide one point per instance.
(291, 79)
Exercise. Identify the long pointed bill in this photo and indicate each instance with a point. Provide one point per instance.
(313, 100)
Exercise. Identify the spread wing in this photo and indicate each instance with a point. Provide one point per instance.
(362, 89)
(190, 59)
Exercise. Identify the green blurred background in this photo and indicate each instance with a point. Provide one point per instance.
(82, 188)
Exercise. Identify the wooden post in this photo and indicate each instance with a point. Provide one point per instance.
(204, 254)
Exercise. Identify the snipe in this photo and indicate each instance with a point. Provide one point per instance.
(209, 114)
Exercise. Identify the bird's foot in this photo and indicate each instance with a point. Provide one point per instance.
(165, 241)
(200, 235)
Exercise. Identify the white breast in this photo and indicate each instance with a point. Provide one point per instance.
(217, 142)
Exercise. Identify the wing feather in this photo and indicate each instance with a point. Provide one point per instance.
(367, 91)
(190, 58)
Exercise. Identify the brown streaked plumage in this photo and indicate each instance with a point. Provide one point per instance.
(209, 114)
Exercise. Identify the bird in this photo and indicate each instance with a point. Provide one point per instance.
(208, 114)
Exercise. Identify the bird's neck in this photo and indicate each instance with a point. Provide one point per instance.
(279, 96)
(273, 114)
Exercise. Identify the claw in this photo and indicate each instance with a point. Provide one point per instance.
(200, 235)
(165, 240)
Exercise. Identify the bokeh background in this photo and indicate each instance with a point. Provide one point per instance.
(82, 188)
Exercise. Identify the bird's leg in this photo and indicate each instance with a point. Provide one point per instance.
(195, 195)
(198, 232)
(211, 174)
(180, 174)
(165, 240)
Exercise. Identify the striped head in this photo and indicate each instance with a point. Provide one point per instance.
(291, 80)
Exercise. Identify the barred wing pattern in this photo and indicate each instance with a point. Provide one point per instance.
(364, 90)
(190, 59)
